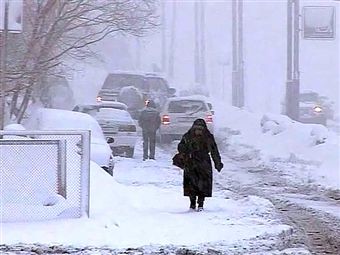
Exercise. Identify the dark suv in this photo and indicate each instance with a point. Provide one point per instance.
(134, 88)
(314, 108)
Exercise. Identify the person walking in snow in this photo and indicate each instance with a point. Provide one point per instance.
(149, 120)
(194, 148)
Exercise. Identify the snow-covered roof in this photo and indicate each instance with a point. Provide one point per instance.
(113, 104)
(14, 127)
(308, 104)
(132, 72)
(113, 114)
(56, 119)
(141, 73)
(192, 97)
(159, 75)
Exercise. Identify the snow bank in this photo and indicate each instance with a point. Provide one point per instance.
(277, 137)
(137, 215)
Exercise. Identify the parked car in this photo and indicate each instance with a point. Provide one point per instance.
(115, 122)
(314, 108)
(84, 108)
(134, 88)
(179, 113)
(55, 119)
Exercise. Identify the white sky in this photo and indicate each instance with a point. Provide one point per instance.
(264, 52)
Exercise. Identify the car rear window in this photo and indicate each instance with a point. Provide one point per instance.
(187, 106)
(118, 81)
(308, 97)
(157, 84)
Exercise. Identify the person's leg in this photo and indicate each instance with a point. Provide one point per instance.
(200, 202)
(152, 139)
(145, 145)
(192, 202)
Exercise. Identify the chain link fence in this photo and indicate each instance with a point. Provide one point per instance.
(44, 175)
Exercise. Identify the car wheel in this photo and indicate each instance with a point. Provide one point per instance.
(129, 152)
(109, 170)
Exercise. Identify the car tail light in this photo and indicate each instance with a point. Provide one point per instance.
(209, 119)
(165, 120)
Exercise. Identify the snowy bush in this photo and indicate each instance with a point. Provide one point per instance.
(132, 97)
(274, 124)
(319, 134)
(14, 127)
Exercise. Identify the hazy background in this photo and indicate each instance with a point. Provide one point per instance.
(264, 53)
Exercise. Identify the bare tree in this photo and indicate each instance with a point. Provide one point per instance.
(58, 29)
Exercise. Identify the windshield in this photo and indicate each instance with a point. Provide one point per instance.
(187, 106)
(309, 97)
(118, 81)
(157, 84)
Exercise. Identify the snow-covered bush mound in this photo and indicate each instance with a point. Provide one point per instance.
(319, 134)
(274, 124)
(14, 127)
(132, 97)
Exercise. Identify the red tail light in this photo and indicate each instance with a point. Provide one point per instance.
(165, 120)
(209, 119)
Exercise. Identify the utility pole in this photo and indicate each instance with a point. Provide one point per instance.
(237, 49)
(163, 37)
(3, 64)
(197, 45)
(172, 41)
(202, 48)
(293, 60)
(240, 54)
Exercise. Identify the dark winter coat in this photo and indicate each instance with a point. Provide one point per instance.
(197, 178)
(149, 119)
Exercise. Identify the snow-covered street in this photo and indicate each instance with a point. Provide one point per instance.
(264, 201)
(141, 210)
(143, 205)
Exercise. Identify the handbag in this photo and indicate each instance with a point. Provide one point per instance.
(179, 160)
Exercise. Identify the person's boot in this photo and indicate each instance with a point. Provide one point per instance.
(200, 203)
(200, 207)
(193, 203)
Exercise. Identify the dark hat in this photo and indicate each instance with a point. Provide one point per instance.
(199, 123)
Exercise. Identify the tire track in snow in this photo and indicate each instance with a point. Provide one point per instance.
(316, 230)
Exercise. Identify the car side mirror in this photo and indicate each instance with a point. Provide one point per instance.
(212, 112)
(110, 140)
(171, 91)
